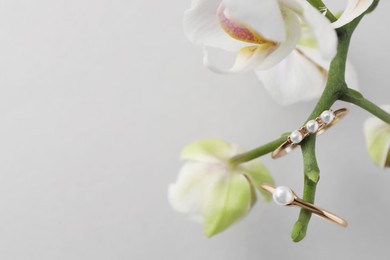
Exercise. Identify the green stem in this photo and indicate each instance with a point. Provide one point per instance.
(355, 97)
(312, 176)
(319, 5)
(260, 151)
(335, 88)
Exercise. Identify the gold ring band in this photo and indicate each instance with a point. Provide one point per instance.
(285, 196)
(315, 126)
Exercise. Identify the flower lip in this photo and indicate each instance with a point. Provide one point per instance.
(238, 30)
(263, 16)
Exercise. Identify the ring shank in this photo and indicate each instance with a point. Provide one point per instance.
(283, 149)
(319, 212)
(310, 207)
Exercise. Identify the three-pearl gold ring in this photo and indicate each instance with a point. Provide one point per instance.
(315, 126)
(284, 196)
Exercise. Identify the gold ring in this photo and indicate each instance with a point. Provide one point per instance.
(284, 196)
(315, 126)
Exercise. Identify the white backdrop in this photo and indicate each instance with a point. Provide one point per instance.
(97, 98)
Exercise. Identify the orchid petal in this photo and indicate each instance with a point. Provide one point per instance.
(188, 194)
(258, 174)
(253, 194)
(293, 31)
(263, 16)
(293, 5)
(351, 77)
(295, 79)
(315, 55)
(227, 202)
(202, 28)
(354, 9)
(211, 150)
(318, 31)
(247, 58)
(377, 135)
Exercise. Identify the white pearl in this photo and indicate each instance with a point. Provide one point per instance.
(296, 137)
(312, 126)
(283, 195)
(327, 116)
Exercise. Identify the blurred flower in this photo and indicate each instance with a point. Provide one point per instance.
(212, 190)
(354, 9)
(263, 34)
(378, 140)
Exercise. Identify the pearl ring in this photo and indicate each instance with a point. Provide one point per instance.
(315, 126)
(284, 196)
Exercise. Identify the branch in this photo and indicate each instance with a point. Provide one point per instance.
(335, 88)
(257, 152)
(312, 176)
(320, 6)
(355, 97)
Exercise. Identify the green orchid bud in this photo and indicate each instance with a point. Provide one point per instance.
(378, 140)
(212, 190)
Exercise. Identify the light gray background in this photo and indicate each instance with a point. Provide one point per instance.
(97, 98)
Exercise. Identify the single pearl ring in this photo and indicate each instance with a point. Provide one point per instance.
(315, 126)
(284, 196)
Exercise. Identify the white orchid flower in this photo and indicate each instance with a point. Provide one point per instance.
(262, 33)
(213, 191)
(287, 42)
(377, 135)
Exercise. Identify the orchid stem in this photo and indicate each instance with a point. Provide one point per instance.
(336, 89)
(257, 152)
(312, 176)
(320, 6)
(355, 97)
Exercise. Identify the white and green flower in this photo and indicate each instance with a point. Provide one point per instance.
(212, 190)
(377, 135)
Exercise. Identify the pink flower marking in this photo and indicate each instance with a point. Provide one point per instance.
(237, 30)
